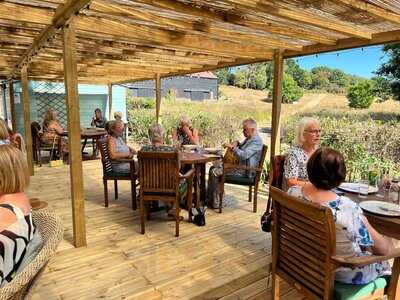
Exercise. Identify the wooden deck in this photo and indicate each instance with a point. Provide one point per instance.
(227, 259)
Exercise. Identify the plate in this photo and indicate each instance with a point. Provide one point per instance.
(353, 187)
(190, 147)
(381, 208)
(212, 150)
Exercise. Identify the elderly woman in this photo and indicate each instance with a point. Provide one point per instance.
(52, 128)
(247, 152)
(355, 236)
(19, 239)
(156, 134)
(98, 120)
(185, 134)
(117, 148)
(308, 135)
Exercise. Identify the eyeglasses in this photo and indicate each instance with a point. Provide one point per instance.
(315, 131)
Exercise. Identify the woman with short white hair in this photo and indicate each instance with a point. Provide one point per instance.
(185, 134)
(308, 136)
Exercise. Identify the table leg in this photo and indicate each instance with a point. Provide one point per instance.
(94, 148)
(84, 145)
(202, 184)
(196, 184)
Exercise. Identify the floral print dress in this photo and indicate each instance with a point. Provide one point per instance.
(348, 218)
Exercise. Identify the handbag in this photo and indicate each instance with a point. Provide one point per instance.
(266, 218)
(199, 216)
(230, 157)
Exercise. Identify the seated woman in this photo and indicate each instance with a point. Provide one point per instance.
(117, 148)
(156, 134)
(308, 136)
(4, 133)
(17, 230)
(185, 134)
(326, 170)
(98, 120)
(52, 129)
(247, 153)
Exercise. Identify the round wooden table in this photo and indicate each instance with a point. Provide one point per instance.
(199, 162)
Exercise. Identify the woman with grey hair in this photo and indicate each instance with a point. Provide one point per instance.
(156, 135)
(185, 134)
(308, 136)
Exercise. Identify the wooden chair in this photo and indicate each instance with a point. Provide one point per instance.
(51, 230)
(38, 145)
(241, 180)
(160, 180)
(304, 253)
(109, 174)
(276, 176)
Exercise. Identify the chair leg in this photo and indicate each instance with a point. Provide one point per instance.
(133, 192)
(105, 193)
(255, 198)
(177, 217)
(250, 192)
(221, 197)
(142, 215)
(190, 200)
(116, 189)
(275, 287)
(39, 157)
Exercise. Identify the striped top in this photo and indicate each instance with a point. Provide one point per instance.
(13, 243)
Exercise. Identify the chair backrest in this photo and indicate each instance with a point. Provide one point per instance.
(35, 129)
(303, 242)
(159, 172)
(102, 144)
(263, 155)
(277, 168)
(51, 230)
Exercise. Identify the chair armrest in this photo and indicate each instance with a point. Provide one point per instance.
(241, 167)
(361, 261)
(131, 161)
(188, 175)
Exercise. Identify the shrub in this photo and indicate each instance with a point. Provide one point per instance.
(361, 95)
(381, 86)
(290, 90)
(140, 103)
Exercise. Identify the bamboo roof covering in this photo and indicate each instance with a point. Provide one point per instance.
(128, 40)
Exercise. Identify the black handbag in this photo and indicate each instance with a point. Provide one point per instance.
(199, 216)
(266, 218)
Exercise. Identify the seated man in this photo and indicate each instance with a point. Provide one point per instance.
(247, 153)
(98, 120)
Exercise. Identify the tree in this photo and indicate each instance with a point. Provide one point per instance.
(391, 68)
(290, 90)
(361, 95)
(382, 88)
(240, 79)
(223, 75)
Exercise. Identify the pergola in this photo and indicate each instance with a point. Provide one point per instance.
(117, 41)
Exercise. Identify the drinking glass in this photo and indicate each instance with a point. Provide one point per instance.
(383, 187)
(363, 186)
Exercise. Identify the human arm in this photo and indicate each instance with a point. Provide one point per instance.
(113, 151)
(295, 182)
(93, 121)
(57, 127)
(193, 134)
(251, 148)
(291, 170)
(382, 245)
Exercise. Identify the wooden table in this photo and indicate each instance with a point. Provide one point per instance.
(90, 133)
(199, 162)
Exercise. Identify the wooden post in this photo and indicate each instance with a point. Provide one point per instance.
(12, 105)
(110, 98)
(74, 134)
(158, 97)
(27, 118)
(276, 103)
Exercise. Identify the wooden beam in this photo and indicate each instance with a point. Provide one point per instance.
(27, 118)
(110, 100)
(61, 17)
(372, 9)
(276, 103)
(74, 135)
(12, 105)
(158, 96)
(350, 43)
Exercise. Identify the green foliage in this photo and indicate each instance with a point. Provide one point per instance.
(362, 140)
(361, 95)
(391, 68)
(140, 103)
(224, 76)
(240, 79)
(382, 88)
(290, 90)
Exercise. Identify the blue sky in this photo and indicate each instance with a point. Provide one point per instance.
(362, 62)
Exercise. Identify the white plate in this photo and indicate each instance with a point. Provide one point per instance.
(212, 150)
(381, 208)
(190, 147)
(353, 187)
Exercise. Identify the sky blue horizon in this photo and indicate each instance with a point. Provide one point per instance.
(361, 62)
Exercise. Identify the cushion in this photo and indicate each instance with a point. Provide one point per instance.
(32, 250)
(183, 186)
(118, 174)
(239, 179)
(344, 291)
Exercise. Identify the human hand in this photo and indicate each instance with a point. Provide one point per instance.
(186, 130)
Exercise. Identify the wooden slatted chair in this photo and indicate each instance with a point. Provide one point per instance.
(276, 176)
(38, 146)
(304, 254)
(160, 180)
(109, 174)
(252, 183)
